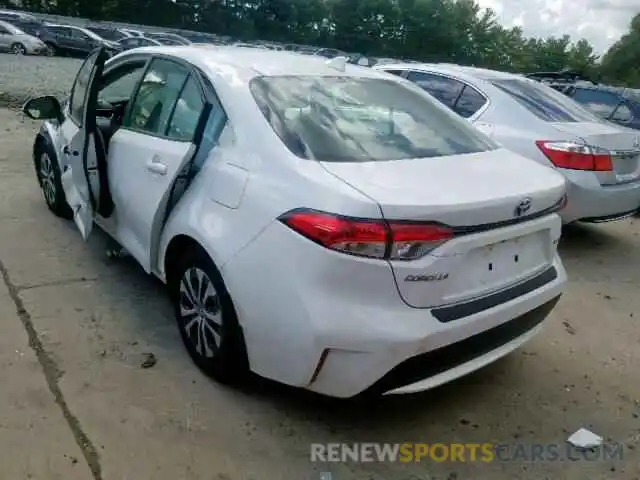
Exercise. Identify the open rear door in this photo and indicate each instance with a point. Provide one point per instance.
(84, 175)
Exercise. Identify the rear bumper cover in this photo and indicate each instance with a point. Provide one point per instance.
(421, 372)
(339, 327)
(589, 201)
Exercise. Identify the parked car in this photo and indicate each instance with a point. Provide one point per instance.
(36, 29)
(600, 160)
(615, 104)
(409, 248)
(13, 15)
(78, 41)
(165, 36)
(108, 33)
(134, 42)
(330, 53)
(133, 32)
(15, 40)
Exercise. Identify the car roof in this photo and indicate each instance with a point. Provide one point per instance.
(248, 63)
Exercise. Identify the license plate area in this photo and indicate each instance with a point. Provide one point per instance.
(501, 264)
(626, 166)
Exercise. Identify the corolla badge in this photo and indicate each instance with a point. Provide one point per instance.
(427, 278)
(523, 207)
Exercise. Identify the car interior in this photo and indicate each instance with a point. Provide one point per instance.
(114, 94)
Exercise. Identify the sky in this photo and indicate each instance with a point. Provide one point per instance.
(602, 22)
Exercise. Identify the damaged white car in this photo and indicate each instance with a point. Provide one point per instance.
(317, 223)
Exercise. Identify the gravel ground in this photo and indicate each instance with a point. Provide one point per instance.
(23, 77)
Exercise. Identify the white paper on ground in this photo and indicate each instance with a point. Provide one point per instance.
(584, 438)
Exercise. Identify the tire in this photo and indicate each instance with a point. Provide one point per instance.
(48, 172)
(51, 50)
(225, 360)
(18, 49)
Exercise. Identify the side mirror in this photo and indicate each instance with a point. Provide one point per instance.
(43, 108)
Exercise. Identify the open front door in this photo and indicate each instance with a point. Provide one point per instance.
(84, 175)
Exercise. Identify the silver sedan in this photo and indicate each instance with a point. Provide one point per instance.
(599, 160)
(14, 40)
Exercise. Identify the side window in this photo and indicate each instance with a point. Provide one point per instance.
(442, 88)
(79, 34)
(3, 31)
(63, 32)
(156, 97)
(623, 114)
(469, 102)
(119, 86)
(187, 112)
(599, 102)
(79, 92)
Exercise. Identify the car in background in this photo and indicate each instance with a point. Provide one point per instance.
(37, 29)
(599, 160)
(249, 45)
(132, 32)
(330, 53)
(78, 41)
(615, 104)
(15, 40)
(13, 15)
(135, 42)
(162, 36)
(429, 250)
(208, 38)
(108, 33)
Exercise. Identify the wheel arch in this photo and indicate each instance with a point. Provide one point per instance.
(45, 137)
(170, 250)
(171, 254)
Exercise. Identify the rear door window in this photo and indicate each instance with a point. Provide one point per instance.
(469, 102)
(543, 101)
(443, 88)
(599, 102)
(156, 97)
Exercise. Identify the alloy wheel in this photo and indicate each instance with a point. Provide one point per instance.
(200, 312)
(47, 179)
(18, 49)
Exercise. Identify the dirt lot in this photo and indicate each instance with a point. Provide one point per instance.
(76, 404)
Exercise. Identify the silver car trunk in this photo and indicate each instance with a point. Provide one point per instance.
(623, 143)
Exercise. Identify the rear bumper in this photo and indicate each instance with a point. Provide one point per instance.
(445, 353)
(338, 326)
(447, 363)
(589, 201)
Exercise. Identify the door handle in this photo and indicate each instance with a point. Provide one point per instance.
(155, 166)
(67, 151)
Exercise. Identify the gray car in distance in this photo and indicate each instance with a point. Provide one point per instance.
(14, 40)
(599, 160)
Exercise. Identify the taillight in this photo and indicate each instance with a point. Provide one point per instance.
(368, 237)
(575, 156)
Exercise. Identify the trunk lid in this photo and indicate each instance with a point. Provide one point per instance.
(623, 143)
(461, 190)
(464, 191)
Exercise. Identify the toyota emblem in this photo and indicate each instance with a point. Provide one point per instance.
(523, 207)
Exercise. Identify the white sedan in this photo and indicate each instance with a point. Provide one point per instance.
(320, 224)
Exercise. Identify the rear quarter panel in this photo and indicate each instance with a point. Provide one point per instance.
(514, 126)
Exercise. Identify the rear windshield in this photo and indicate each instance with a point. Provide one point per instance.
(350, 119)
(545, 102)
